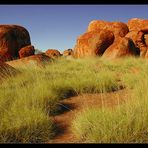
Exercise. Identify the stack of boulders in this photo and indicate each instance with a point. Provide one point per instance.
(53, 53)
(106, 39)
(113, 39)
(16, 50)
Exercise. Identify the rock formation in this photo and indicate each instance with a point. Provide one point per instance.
(26, 51)
(12, 39)
(140, 26)
(137, 24)
(141, 42)
(120, 48)
(68, 52)
(5, 56)
(133, 36)
(93, 43)
(38, 60)
(129, 39)
(119, 29)
(53, 53)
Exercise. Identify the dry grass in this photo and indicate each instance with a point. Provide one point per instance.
(27, 100)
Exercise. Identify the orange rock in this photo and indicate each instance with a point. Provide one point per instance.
(68, 52)
(141, 44)
(132, 35)
(26, 51)
(137, 24)
(5, 56)
(93, 43)
(6, 70)
(13, 38)
(53, 53)
(120, 48)
(140, 39)
(119, 29)
(146, 54)
(146, 39)
(35, 60)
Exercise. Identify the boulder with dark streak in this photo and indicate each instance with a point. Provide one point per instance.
(12, 39)
(93, 43)
(141, 43)
(120, 48)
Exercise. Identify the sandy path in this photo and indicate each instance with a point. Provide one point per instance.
(73, 105)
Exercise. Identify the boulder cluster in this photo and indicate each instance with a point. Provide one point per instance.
(113, 39)
(109, 40)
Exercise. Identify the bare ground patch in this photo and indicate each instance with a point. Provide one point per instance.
(73, 105)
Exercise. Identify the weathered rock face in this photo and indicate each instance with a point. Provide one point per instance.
(68, 52)
(129, 39)
(26, 51)
(53, 53)
(118, 28)
(38, 60)
(93, 43)
(141, 42)
(120, 48)
(140, 39)
(146, 54)
(132, 35)
(146, 39)
(12, 39)
(137, 24)
(6, 70)
(140, 26)
(5, 56)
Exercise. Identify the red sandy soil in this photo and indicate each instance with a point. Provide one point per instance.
(73, 105)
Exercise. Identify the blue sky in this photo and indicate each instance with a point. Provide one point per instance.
(58, 26)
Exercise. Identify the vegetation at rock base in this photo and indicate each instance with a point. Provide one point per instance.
(28, 100)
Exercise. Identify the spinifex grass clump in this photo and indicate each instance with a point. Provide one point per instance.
(127, 122)
(29, 99)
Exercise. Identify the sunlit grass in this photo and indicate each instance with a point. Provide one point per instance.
(29, 99)
(128, 122)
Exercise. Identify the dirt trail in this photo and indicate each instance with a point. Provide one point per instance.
(73, 105)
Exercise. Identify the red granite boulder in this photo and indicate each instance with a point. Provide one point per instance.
(4, 56)
(119, 29)
(12, 39)
(137, 24)
(120, 48)
(53, 53)
(38, 60)
(26, 51)
(93, 43)
(68, 52)
(141, 43)
(132, 35)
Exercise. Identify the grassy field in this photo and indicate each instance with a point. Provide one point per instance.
(28, 100)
